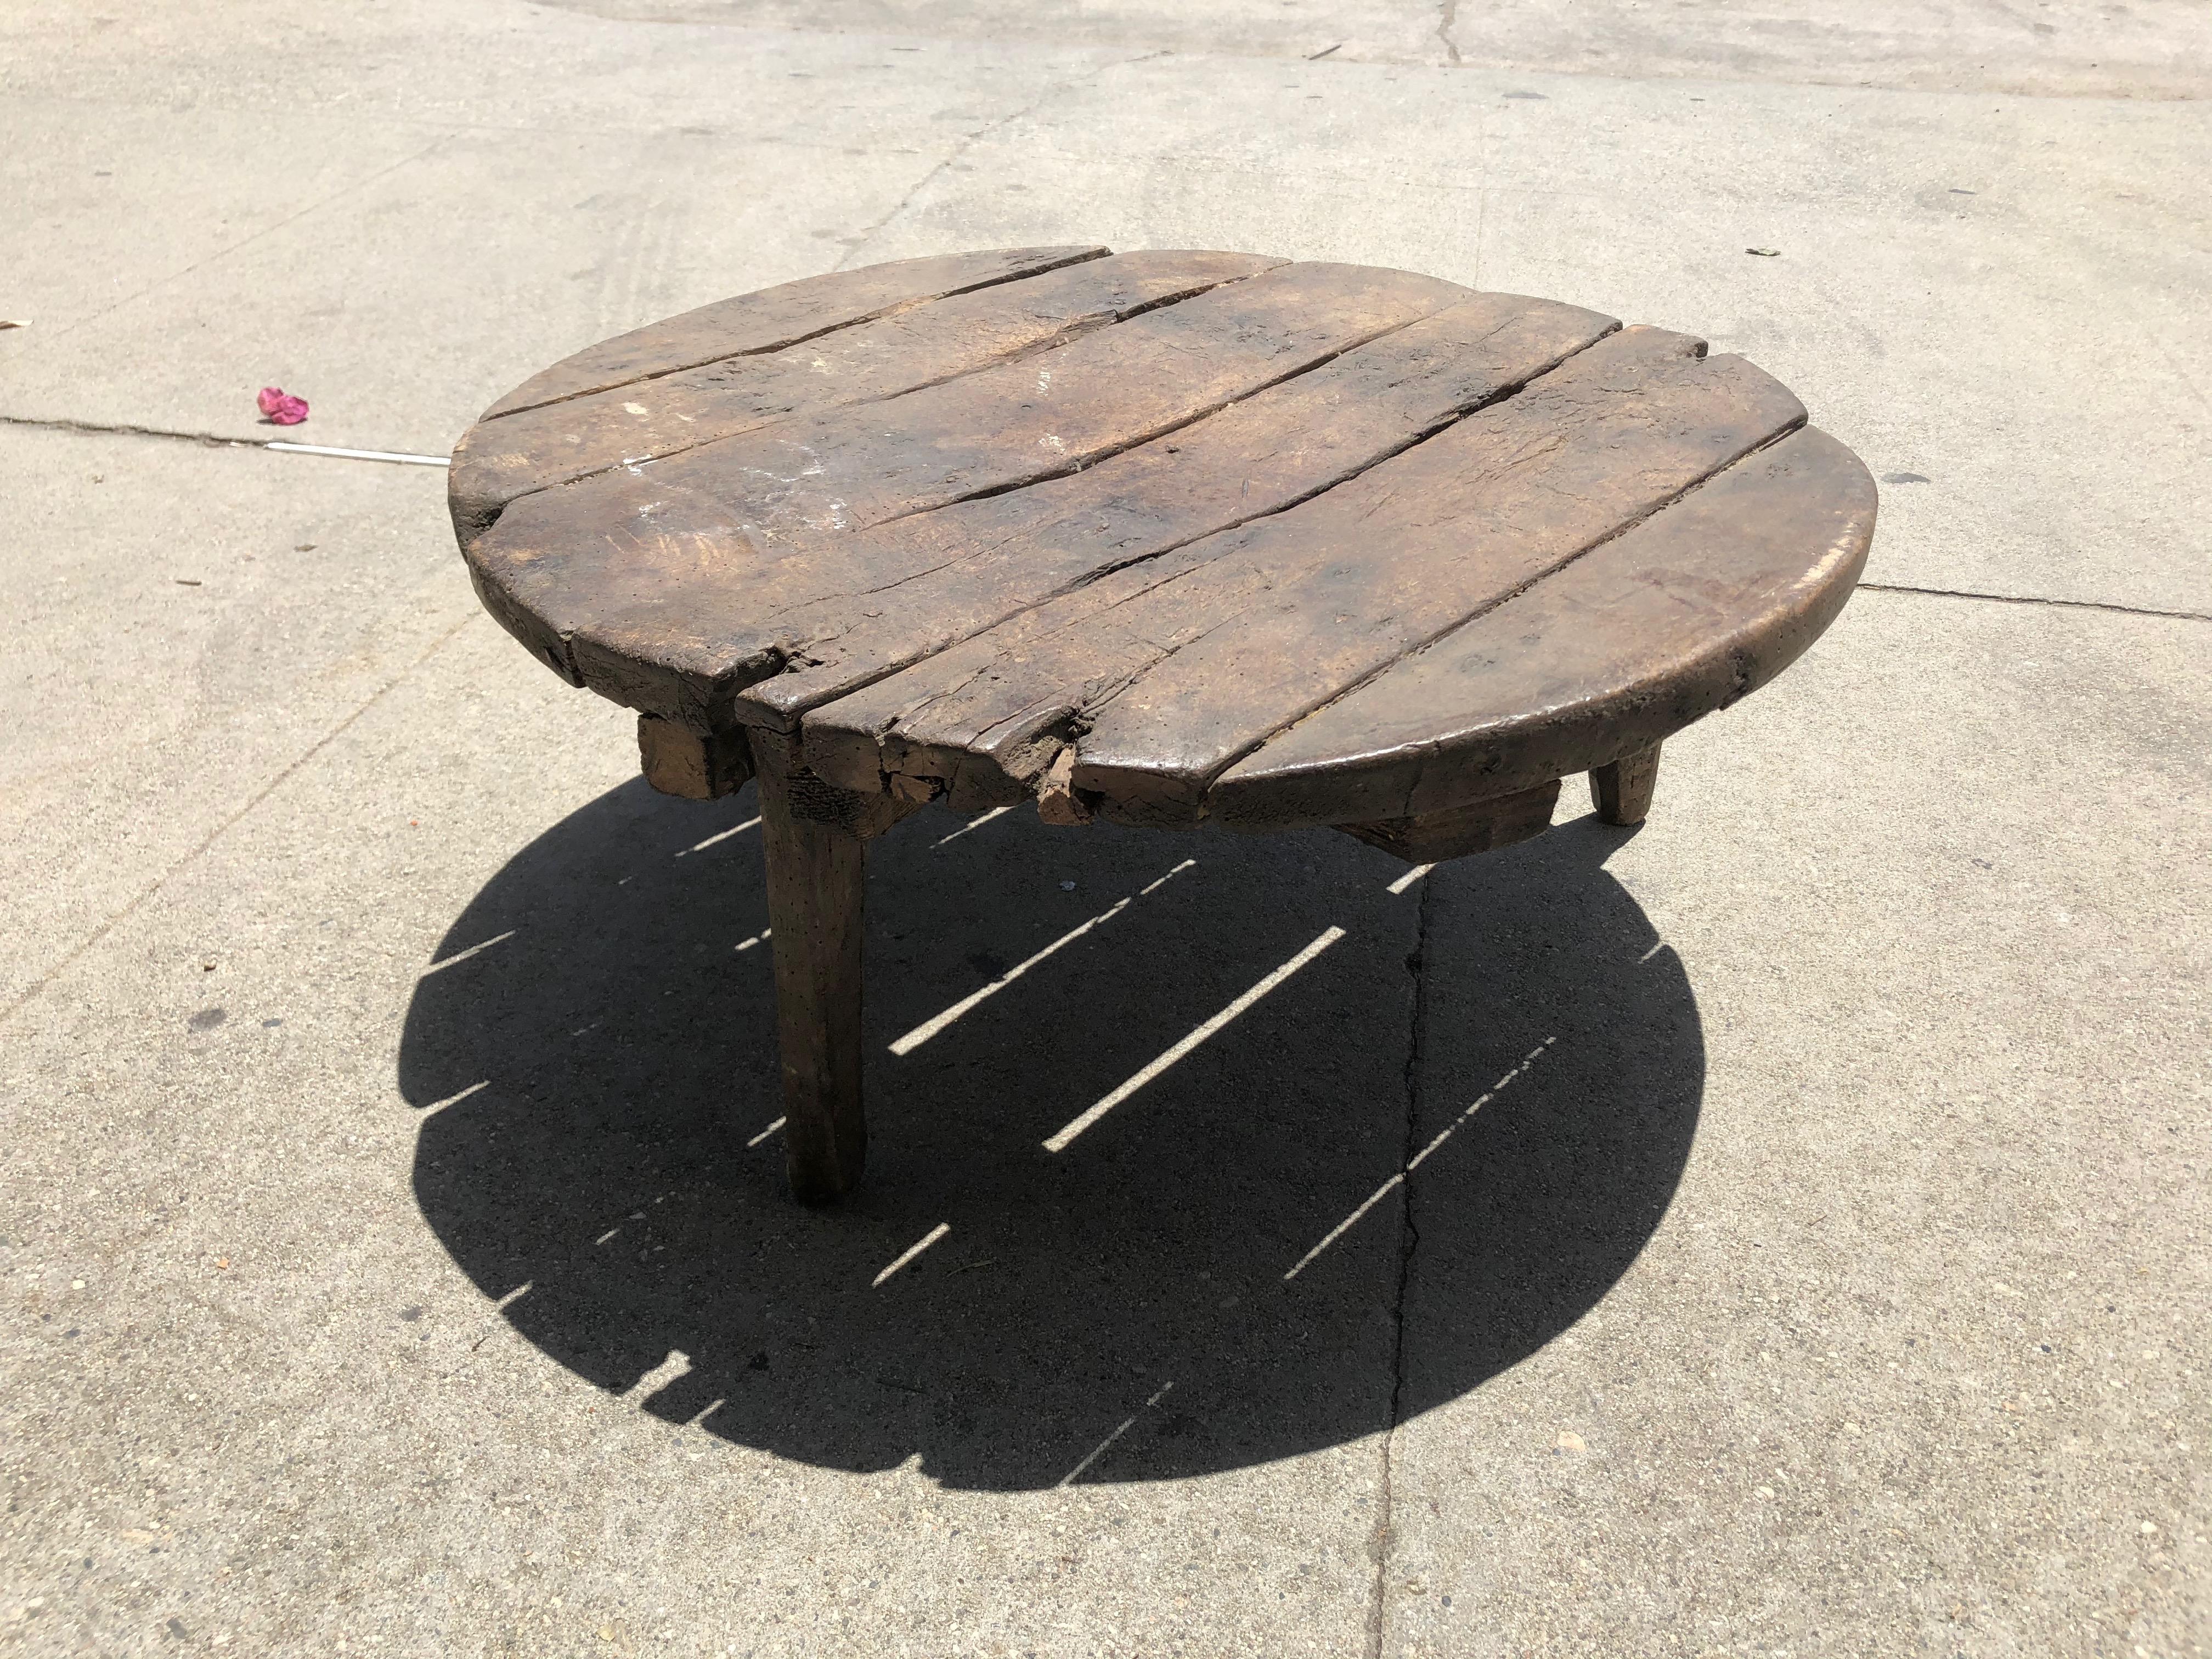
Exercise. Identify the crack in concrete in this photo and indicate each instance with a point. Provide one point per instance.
(1409, 1238)
(317, 205)
(123, 429)
(1446, 21)
(216, 439)
(37, 987)
(2031, 598)
(969, 141)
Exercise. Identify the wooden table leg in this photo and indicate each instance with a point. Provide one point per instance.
(1621, 792)
(815, 881)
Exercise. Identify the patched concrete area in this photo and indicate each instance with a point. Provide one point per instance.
(1806, 1250)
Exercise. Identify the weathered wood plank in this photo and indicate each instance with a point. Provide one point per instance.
(1690, 610)
(690, 766)
(1442, 532)
(949, 574)
(976, 717)
(636, 576)
(771, 318)
(1163, 683)
(816, 880)
(918, 345)
(1481, 826)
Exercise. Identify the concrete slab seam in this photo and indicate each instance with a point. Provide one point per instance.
(1408, 1239)
(969, 141)
(37, 987)
(215, 440)
(316, 205)
(1446, 21)
(2034, 599)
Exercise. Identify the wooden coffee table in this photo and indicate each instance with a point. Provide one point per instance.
(1167, 539)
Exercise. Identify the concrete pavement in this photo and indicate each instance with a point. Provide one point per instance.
(1814, 1259)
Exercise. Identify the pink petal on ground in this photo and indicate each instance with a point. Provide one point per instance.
(282, 408)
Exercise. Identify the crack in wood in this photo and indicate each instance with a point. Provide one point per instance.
(1138, 555)
(772, 340)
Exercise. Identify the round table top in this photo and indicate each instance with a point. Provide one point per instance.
(1249, 541)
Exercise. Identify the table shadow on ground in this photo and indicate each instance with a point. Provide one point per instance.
(598, 1084)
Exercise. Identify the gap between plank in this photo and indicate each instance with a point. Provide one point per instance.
(930, 1027)
(1067, 336)
(1484, 610)
(463, 955)
(897, 309)
(1413, 439)
(1107, 1444)
(359, 454)
(1192, 419)
(914, 1250)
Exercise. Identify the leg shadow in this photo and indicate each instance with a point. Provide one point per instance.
(1204, 1279)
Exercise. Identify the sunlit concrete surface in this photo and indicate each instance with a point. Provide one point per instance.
(1776, 1230)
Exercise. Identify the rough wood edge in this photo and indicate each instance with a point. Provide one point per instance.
(1631, 716)
(813, 798)
(1058, 803)
(681, 762)
(1060, 256)
(1480, 826)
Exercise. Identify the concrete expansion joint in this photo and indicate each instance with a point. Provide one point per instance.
(217, 441)
(96, 428)
(37, 988)
(1408, 1239)
(1446, 21)
(2032, 598)
(969, 141)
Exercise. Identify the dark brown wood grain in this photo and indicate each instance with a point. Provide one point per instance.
(690, 766)
(631, 577)
(1453, 832)
(1229, 552)
(918, 345)
(948, 575)
(867, 813)
(771, 318)
(816, 878)
(1164, 675)
(1621, 790)
(1057, 802)
(1680, 617)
